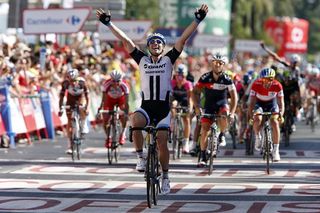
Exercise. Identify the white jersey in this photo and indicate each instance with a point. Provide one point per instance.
(155, 76)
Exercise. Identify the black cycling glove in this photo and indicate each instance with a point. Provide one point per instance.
(105, 19)
(200, 15)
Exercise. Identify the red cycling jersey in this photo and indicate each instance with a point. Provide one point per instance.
(314, 85)
(266, 94)
(115, 94)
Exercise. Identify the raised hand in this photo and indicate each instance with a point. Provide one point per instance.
(201, 13)
(104, 17)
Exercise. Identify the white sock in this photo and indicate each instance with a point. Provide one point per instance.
(185, 141)
(276, 147)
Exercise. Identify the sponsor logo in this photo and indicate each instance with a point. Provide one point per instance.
(146, 66)
(73, 20)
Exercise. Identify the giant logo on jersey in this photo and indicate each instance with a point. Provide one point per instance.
(154, 68)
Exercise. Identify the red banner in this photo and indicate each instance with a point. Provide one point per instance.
(290, 34)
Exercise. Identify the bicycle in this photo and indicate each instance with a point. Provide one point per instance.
(152, 171)
(113, 132)
(267, 147)
(312, 117)
(233, 132)
(286, 129)
(196, 137)
(76, 125)
(249, 139)
(177, 132)
(213, 145)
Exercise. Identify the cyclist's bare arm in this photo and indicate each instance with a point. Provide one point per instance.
(127, 42)
(196, 97)
(234, 101)
(280, 101)
(253, 100)
(190, 100)
(274, 55)
(126, 110)
(104, 98)
(188, 31)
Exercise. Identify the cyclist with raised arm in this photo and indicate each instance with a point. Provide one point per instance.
(181, 95)
(266, 95)
(156, 71)
(115, 92)
(216, 86)
(77, 94)
(291, 86)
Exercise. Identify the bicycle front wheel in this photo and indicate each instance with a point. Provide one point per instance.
(179, 136)
(149, 175)
(211, 148)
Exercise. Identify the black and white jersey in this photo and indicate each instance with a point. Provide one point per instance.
(155, 76)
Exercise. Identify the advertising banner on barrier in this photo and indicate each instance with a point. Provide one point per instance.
(47, 114)
(16, 115)
(28, 114)
(38, 114)
(58, 121)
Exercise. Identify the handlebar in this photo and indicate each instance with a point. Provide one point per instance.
(148, 129)
(64, 107)
(213, 116)
(121, 112)
(266, 113)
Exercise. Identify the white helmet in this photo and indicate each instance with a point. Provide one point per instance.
(73, 74)
(219, 57)
(295, 58)
(182, 69)
(116, 75)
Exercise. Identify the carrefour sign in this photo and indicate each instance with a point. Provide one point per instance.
(41, 21)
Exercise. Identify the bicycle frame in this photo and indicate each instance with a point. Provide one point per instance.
(288, 116)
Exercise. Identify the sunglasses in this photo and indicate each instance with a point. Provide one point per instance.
(267, 80)
(218, 62)
(115, 81)
(155, 41)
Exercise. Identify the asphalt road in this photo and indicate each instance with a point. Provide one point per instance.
(40, 177)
